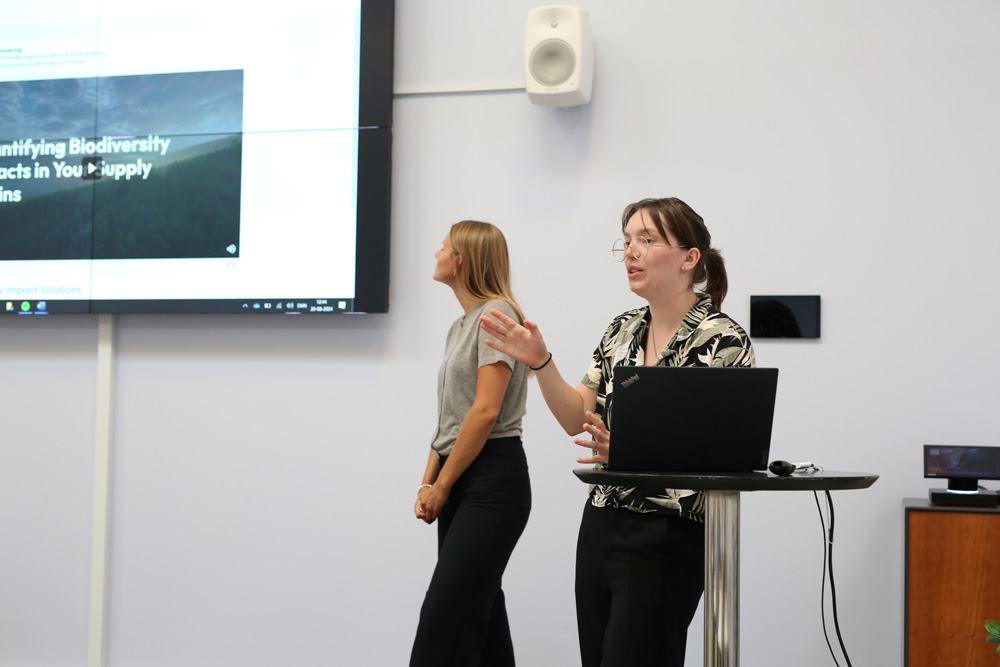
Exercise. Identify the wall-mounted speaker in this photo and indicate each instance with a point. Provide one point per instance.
(559, 56)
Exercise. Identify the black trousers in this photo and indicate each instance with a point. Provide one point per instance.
(639, 578)
(463, 621)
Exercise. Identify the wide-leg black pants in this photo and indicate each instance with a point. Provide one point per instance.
(639, 578)
(463, 620)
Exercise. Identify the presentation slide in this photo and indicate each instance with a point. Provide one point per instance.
(178, 151)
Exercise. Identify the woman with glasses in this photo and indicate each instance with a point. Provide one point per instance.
(640, 552)
(476, 480)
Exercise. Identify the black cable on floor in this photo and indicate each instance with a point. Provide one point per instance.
(828, 571)
(822, 594)
(833, 587)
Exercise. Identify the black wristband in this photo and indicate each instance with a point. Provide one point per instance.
(543, 365)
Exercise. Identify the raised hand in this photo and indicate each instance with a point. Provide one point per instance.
(522, 343)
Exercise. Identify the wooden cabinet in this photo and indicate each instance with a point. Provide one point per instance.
(952, 584)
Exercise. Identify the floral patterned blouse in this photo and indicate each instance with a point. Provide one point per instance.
(706, 337)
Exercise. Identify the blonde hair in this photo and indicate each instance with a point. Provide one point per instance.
(485, 269)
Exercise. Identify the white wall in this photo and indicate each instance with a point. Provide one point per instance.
(265, 470)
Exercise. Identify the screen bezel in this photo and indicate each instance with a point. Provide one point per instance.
(375, 156)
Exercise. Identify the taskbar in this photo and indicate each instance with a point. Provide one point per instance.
(270, 306)
(23, 307)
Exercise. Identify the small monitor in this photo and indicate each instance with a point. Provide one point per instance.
(962, 466)
(784, 316)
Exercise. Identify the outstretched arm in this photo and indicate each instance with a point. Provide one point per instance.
(525, 344)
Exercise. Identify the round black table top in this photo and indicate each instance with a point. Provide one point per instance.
(829, 480)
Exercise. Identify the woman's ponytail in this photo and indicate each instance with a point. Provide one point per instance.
(713, 273)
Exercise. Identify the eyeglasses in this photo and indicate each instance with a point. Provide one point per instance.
(637, 247)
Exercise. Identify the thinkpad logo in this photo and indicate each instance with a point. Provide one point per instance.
(629, 381)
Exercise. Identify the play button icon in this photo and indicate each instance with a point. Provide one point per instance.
(93, 167)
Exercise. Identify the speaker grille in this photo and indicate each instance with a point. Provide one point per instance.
(552, 62)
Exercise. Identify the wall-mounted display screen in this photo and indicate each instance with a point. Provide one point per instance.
(784, 316)
(195, 157)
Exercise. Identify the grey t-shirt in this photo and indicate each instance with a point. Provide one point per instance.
(465, 353)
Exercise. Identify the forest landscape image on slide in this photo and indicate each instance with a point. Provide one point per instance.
(129, 167)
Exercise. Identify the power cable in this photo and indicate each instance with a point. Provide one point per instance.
(828, 571)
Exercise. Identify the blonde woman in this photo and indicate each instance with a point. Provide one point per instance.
(476, 482)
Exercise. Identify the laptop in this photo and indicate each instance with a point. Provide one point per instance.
(691, 419)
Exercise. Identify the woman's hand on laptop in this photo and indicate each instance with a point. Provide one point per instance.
(600, 443)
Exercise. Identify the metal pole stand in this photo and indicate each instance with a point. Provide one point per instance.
(722, 578)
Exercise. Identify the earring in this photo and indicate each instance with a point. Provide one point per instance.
(683, 269)
(454, 273)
